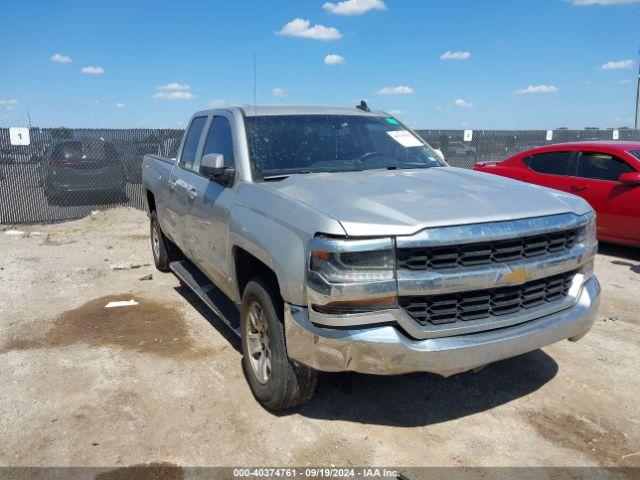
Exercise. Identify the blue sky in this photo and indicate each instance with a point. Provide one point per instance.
(511, 64)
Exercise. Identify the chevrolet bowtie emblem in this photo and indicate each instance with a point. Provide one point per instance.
(518, 276)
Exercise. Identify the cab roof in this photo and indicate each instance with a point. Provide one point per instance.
(264, 110)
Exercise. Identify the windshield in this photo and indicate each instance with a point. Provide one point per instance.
(288, 144)
(635, 153)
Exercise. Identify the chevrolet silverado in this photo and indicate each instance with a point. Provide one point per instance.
(336, 239)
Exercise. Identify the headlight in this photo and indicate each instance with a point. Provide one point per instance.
(351, 276)
(588, 232)
(349, 261)
(590, 229)
(588, 239)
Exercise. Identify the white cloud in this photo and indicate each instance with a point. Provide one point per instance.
(399, 90)
(618, 65)
(278, 92)
(583, 3)
(92, 70)
(462, 103)
(174, 91)
(449, 55)
(333, 59)
(167, 95)
(12, 101)
(57, 57)
(626, 81)
(396, 112)
(354, 7)
(531, 89)
(302, 28)
(175, 86)
(119, 104)
(217, 102)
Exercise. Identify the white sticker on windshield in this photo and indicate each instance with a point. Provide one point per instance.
(405, 138)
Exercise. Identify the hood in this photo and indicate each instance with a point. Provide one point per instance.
(403, 202)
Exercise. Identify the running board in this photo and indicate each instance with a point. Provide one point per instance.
(211, 295)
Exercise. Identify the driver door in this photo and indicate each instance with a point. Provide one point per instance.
(207, 216)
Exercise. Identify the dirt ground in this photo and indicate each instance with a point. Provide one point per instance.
(82, 385)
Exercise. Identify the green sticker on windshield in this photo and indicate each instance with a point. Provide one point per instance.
(392, 121)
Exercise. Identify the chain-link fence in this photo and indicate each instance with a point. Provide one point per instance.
(62, 173)
(463, 150)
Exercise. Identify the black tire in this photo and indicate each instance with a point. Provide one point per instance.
(165, 252)
(289, 384)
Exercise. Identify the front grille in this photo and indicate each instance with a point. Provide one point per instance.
(498, 251)
(478, 304)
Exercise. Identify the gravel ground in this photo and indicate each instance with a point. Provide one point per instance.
(161, 382)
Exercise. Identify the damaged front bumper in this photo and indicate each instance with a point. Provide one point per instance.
(385, 350)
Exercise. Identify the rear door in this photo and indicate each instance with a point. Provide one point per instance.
(176, 199)
(617, 204)
(208, 208)
(551, 169)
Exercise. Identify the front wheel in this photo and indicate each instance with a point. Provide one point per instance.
(276, 381)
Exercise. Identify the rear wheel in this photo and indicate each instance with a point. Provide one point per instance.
(276, 381)
(164, 251)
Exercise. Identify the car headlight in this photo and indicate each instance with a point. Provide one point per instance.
(588, 238)
(590, 229)
(347, 261)
(588, 232)
(351, 276)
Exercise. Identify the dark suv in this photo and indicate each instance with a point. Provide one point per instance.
(82, 166)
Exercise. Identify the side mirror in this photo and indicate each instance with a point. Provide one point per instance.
(212, 165)
(439, 154)
(631, 178)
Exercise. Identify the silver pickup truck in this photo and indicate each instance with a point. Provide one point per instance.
(335, 239)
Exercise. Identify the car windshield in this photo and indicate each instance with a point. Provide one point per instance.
(289, 144)
(635, 153)
(80, 150)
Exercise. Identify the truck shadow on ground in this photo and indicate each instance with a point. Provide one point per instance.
(209, 316)
(425, 399)
(622, 251)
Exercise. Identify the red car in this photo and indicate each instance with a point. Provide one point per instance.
(606, 174)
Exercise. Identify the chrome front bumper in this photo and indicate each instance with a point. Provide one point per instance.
(385, 350)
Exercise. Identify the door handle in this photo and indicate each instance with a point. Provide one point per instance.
(172, 184)
(578, 188)
(192, 193)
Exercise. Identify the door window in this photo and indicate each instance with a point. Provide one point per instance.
(552, 163)
(188, 156)
(601, 166)
(220, 140)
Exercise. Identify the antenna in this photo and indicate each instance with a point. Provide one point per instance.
(254, 84)
(637, 119)
(28, 118)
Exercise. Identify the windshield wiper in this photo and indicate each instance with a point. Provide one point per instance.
(275, 178)
(281, 176)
